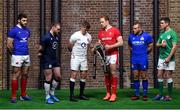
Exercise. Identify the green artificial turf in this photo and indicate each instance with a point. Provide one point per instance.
(95, 102)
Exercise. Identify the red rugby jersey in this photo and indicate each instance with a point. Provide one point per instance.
(109, 37)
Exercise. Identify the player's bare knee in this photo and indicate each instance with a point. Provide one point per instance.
(24, 76)
(136, 76)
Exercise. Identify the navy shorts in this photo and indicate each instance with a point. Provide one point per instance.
(139, 64)
(50, 64)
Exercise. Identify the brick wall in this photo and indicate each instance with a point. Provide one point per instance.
(72, 13)
(174, 11)
(1, 40)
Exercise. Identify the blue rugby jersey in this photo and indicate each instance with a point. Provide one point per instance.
(50, 45)
(139, 44)
(20, 43)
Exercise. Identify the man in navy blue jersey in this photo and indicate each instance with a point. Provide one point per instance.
(51, 66)
(140, 44)
(17, 44)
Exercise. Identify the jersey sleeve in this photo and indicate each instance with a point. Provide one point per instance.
(174, 38)
(129, 40)
(117, 33)
(159, 41)
(73, 38)
(29, 33)
(44, 41)
(90, 38)
(12, 33)
(149, 39)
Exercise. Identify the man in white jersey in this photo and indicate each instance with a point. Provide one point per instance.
(78, 45)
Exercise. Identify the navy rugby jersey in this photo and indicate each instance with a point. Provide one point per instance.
(50, 44)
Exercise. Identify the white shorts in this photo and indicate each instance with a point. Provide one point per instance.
(112, 59)
(79, 63)
(164, 66)
(20, 60)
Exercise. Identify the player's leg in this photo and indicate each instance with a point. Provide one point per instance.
(144, 76)
(107, 80)
(113, 61)
(24, 77)
(55, 82)
(82, 83)
(144, 84)
(47, 85)
(83, 76)
(136, 83)
(168, 71)
(170, 85)
(113, 82)
(14, 83)
(72, 84)
(16, 63)
(75, 63)
(160, 75)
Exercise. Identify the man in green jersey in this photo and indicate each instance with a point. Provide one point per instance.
(167, 44)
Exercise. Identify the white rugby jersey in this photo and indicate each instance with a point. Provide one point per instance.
(80, 42)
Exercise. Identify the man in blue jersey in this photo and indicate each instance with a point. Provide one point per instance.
(51, 66)
(17, 44)
(140, 44)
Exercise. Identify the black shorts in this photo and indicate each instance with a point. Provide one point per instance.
(50, 64)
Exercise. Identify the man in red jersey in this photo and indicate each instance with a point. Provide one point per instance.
(110, 37)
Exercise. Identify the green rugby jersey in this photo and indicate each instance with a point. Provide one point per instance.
(171, 38)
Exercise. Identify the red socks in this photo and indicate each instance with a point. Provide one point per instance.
(23, 87)
(108, 83)
(114, 84)
(14, 85)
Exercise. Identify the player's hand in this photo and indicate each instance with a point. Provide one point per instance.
(167, 60)
(39, 54)
(164, 43)
(107, 47)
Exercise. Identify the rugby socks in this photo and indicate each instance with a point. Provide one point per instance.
(55, 83)
(114, 85)
(136, 87)
(145, 87)
(47, 86)
(170, 86)
(23, 87)
(14, 85)
(82, 86)
(160, 86)
(108, 83)
(71, 86)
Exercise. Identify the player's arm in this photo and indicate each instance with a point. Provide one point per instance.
(10, 44)
(70, 46)
(173, 50)
(130, 47)
(117, 44)
(40, 50)
(150, 47)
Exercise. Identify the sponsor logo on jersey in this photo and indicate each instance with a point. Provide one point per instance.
(106, 38)
(23, 39)
(83, 45)
(142, 38)
(168, 37)
(54, 45)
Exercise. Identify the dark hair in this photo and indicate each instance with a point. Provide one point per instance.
(105, 17)
(166, 20)
(86, 24)
(55, 24)
(137, 22)
(21, 15)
